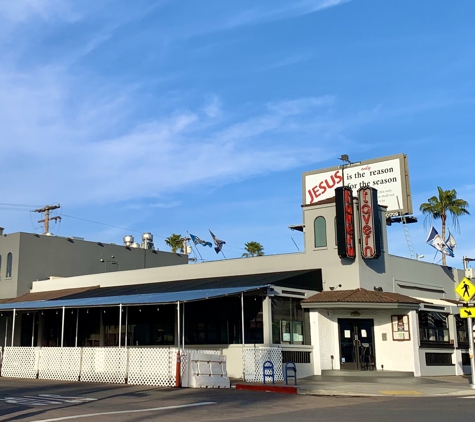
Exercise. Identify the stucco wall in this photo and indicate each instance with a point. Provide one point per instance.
(38, 257)
(393, 355)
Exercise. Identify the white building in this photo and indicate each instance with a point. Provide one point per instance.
(315, 308)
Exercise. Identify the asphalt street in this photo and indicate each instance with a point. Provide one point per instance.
(40, 400)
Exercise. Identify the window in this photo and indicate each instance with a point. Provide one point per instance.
(439, 359)
(400, 326)
(287, 321)
(336, 237)
(462, 331)
(320, 228)
(9, 265)
(433, 327)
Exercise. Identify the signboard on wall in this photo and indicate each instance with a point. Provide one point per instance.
(389, 175)
(345, 222)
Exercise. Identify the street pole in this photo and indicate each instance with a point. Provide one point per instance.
(472, 361)
(465, 261)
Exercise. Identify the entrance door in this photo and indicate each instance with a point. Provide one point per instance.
(356, 344)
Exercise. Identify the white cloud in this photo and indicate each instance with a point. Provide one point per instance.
(23, 10)
(213, 107)
(82, 152)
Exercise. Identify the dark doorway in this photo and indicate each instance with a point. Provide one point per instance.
(356, 344)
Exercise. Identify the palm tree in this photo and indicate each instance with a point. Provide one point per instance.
(439, 207)
(175, 241)
(253, 249)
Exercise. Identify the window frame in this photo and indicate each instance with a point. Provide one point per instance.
(9, 271)
(321, 235)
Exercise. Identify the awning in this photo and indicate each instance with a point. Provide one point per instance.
(139, 299)
(440, 305)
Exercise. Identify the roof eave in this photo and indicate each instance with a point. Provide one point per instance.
(359, 305)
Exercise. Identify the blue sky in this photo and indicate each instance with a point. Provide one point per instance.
(176, 116)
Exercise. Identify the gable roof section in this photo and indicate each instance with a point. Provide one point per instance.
(361, 296)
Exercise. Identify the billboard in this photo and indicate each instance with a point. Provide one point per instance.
(389, 175)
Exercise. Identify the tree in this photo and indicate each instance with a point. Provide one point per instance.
(438, 207)
(253, 249)
(175, 242)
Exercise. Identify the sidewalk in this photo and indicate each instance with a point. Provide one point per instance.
(371, 383)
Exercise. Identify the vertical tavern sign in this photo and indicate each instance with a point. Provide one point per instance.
(345, 222)
(370, 226)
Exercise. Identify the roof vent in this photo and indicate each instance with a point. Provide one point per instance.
(128, 240)
(147, 241)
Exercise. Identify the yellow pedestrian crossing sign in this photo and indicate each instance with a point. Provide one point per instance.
(465, 289)
(467, 312)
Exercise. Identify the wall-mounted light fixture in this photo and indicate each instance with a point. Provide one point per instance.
(355, 314)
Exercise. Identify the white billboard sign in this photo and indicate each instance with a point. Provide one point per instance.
(389, 175)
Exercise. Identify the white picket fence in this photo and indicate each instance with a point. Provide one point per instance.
(138, 366)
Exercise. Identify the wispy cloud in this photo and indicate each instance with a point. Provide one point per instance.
(281, 10)
(213, 106)
(289, 61)
(68, 144)
(24, 10)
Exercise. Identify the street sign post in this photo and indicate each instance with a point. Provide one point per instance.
(466, 290)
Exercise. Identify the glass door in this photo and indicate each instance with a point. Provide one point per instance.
(356, 344)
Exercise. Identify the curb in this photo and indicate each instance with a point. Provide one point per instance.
(333, 393)
(268, 388)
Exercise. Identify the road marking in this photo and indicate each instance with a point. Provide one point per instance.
(91, 415)
(467, 397)
(45, 400)
(402, 392)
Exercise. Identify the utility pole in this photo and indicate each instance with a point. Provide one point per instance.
(185, 246)
(46, 210)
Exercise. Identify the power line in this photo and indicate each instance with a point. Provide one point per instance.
(20, 205)
(102, 224)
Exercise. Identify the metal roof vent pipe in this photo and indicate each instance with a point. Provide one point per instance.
(147, 241)
(128, 240)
